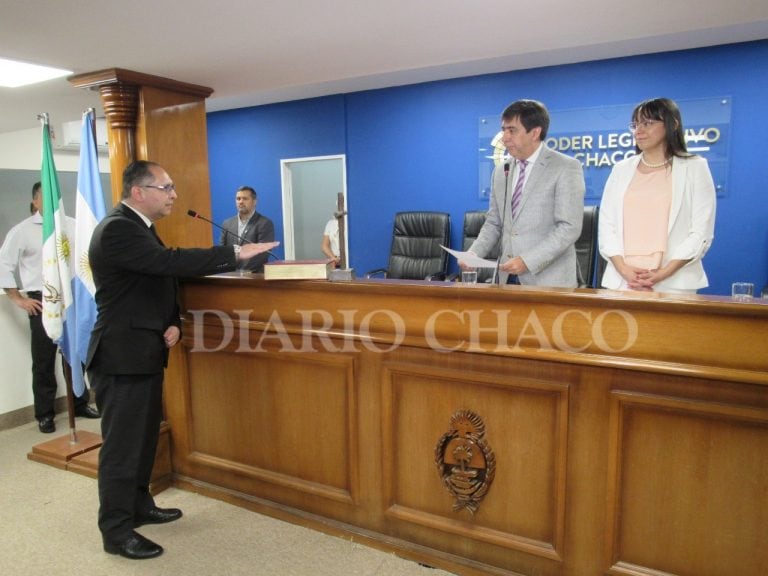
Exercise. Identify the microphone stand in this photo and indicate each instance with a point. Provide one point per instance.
(497, 279)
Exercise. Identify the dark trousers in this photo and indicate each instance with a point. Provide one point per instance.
(44, 368)
(131, 412)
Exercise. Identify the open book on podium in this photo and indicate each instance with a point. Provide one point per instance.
(298, 269)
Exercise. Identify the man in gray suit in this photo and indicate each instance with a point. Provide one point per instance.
(536, 206)
(248, 226)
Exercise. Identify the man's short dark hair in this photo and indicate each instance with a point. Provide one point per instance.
(137, 173)
(35, 189)
(532, 114)
(247, 189)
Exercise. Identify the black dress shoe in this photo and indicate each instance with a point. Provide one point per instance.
(87, 411)
(46, 425)
(135, 547)
(157, 516)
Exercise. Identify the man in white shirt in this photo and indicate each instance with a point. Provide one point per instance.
(330, 243)
(22, 253)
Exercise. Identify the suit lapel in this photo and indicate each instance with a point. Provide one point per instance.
(131, 215)
(679, 170)
(250, 225)
(154, 233)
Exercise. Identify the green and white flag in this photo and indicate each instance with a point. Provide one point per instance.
(57, 251)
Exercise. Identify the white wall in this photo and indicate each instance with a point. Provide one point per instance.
(23, 150)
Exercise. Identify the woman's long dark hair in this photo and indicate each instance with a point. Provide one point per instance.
(665, 110)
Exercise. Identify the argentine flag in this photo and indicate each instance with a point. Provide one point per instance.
(89, 210)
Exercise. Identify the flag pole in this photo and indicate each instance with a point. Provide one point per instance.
(57, 303)
(66, 369)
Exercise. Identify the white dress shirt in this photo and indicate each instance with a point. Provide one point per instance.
(22, 252)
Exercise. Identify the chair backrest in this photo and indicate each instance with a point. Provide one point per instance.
(473, 222)
(416, 240)
(586, 249)
(601, 264)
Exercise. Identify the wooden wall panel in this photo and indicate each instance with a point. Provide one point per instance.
(172, 131)
(689, 486)
(526, 427)
(289, 420)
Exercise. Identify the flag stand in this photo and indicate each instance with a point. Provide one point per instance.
(60, 451)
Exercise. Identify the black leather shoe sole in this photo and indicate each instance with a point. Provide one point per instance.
(135, 547)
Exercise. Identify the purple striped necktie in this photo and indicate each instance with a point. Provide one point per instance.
(518, 187)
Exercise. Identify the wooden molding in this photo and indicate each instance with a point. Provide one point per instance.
(107, 76)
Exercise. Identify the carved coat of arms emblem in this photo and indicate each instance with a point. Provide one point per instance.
(465, 461)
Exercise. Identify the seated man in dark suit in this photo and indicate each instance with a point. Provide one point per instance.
(248, 226)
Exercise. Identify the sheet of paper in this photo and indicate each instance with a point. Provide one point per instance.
(470, 259)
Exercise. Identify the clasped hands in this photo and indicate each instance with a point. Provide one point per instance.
(642, 279)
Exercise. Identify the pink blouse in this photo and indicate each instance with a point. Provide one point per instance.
(646, 218)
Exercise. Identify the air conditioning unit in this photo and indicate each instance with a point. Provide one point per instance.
(68, 138)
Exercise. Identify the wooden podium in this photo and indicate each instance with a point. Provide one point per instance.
(623, 434)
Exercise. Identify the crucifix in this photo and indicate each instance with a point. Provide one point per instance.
(339, 215)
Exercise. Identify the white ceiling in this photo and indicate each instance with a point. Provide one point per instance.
(255, 52)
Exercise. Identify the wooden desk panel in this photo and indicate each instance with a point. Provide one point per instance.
(526, 421)
(284, 419)
(628, 435)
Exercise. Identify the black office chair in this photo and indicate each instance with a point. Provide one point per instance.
(586, 249)
(473, 222)
(601, 265)
(415, 253)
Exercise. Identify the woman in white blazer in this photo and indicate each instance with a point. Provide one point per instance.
(657, 215)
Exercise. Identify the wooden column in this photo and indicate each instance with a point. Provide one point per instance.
(163, 120)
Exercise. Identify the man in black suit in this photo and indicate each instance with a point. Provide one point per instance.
(138, 321)
(248, 226)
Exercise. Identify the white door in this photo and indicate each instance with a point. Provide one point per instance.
(310, 189)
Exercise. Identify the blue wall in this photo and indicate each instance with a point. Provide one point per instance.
(415, 147)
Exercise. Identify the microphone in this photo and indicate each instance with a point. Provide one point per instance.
(503, 222)
(199, 216)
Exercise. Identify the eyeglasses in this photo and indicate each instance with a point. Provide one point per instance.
(644, 124)
(168, 188)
